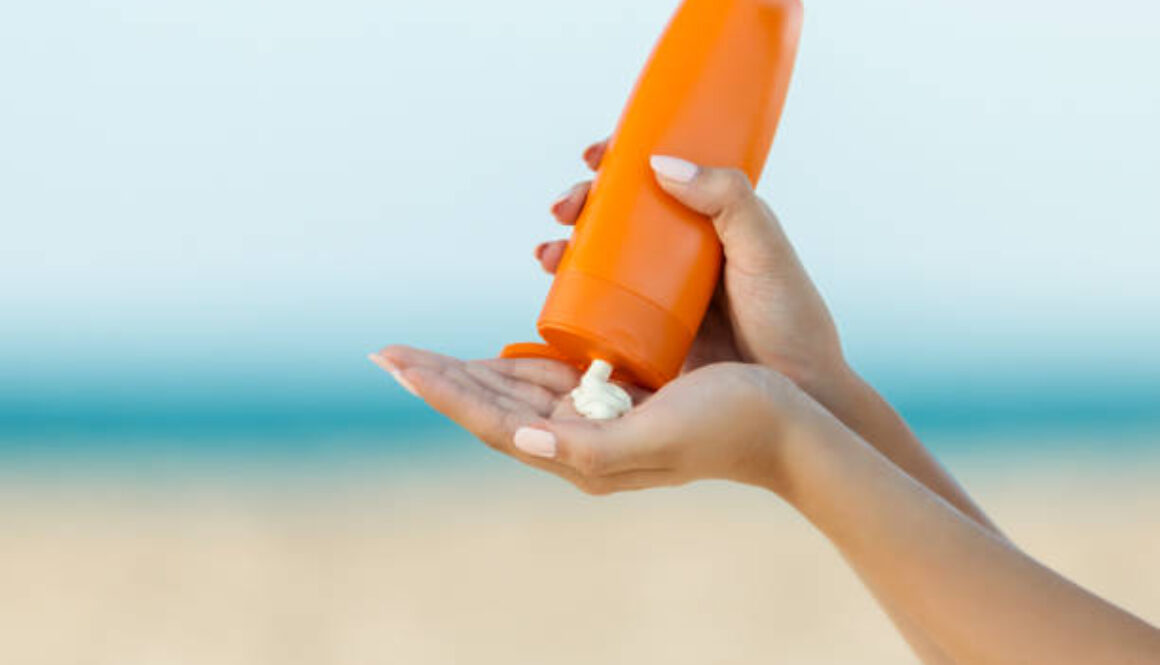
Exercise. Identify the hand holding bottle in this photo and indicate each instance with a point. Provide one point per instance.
(766, 309)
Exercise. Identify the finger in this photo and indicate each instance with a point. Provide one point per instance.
(709, 191)
(715, 341)
(747, 228)
(630, 481)
(402, 356)
(542, 445)
(492, 419)
(539, 398)
(393, 369)
(475, 407)
(594, 154)
(470, 374)
(595, 448)
(550, 253)
(395, 358)
(566, 209)
(553, 375)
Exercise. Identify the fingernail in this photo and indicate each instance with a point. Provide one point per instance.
(563, 198)
(590, 154)
(673, 168)
(538, 442)
(393, 371)
(539, 251)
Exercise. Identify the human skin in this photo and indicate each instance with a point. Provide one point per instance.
(768, 399)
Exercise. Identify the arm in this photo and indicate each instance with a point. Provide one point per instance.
(779, 320)
(769, 312)
(971, 595)
(972, 592)
(706, 424)
(866, 413)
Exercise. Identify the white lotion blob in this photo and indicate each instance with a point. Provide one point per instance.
(597, 398)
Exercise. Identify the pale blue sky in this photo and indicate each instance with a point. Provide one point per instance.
(247, 191)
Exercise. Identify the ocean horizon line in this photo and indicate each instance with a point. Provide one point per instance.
(379, 412)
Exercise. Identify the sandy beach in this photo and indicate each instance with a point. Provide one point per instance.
(491, 563)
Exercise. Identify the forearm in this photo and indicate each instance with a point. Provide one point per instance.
(850, 399)
(973, 593)
(854, 402)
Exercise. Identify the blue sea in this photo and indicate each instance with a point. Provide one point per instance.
(364, 416)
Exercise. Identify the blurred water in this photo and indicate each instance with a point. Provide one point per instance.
(212, 210)
(370, 417)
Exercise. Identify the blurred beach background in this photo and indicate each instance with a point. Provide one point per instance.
(212, 211)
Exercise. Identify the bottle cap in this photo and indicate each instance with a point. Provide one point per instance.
(586, 318)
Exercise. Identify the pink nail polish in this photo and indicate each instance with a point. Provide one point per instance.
(590, 154)
(537, 442)
(673, 168)
(563, 198)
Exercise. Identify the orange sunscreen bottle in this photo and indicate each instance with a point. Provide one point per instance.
(640, 268)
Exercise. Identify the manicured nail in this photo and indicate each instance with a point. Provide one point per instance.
(590, 155)
(393, 371)
(674, 168)
(539, 251)
(563, 198)
(538, 442)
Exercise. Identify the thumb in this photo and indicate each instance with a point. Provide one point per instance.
(594, 448)
(746, 227)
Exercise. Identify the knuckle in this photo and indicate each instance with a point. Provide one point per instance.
(494, 442)
(593, 487)
(588, 460)
(736, 188)
(769, 213)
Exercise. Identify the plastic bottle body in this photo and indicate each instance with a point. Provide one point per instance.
(640, 269)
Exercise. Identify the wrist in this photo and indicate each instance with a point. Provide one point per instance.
(830, 382)
(790, 421)
(808, 443)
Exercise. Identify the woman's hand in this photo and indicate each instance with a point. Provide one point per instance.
(852, 468)
(725, 420)
(767, 309)
(722, 418)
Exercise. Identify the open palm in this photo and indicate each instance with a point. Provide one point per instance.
(662, 441)
(766, 322)
(494, 398)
